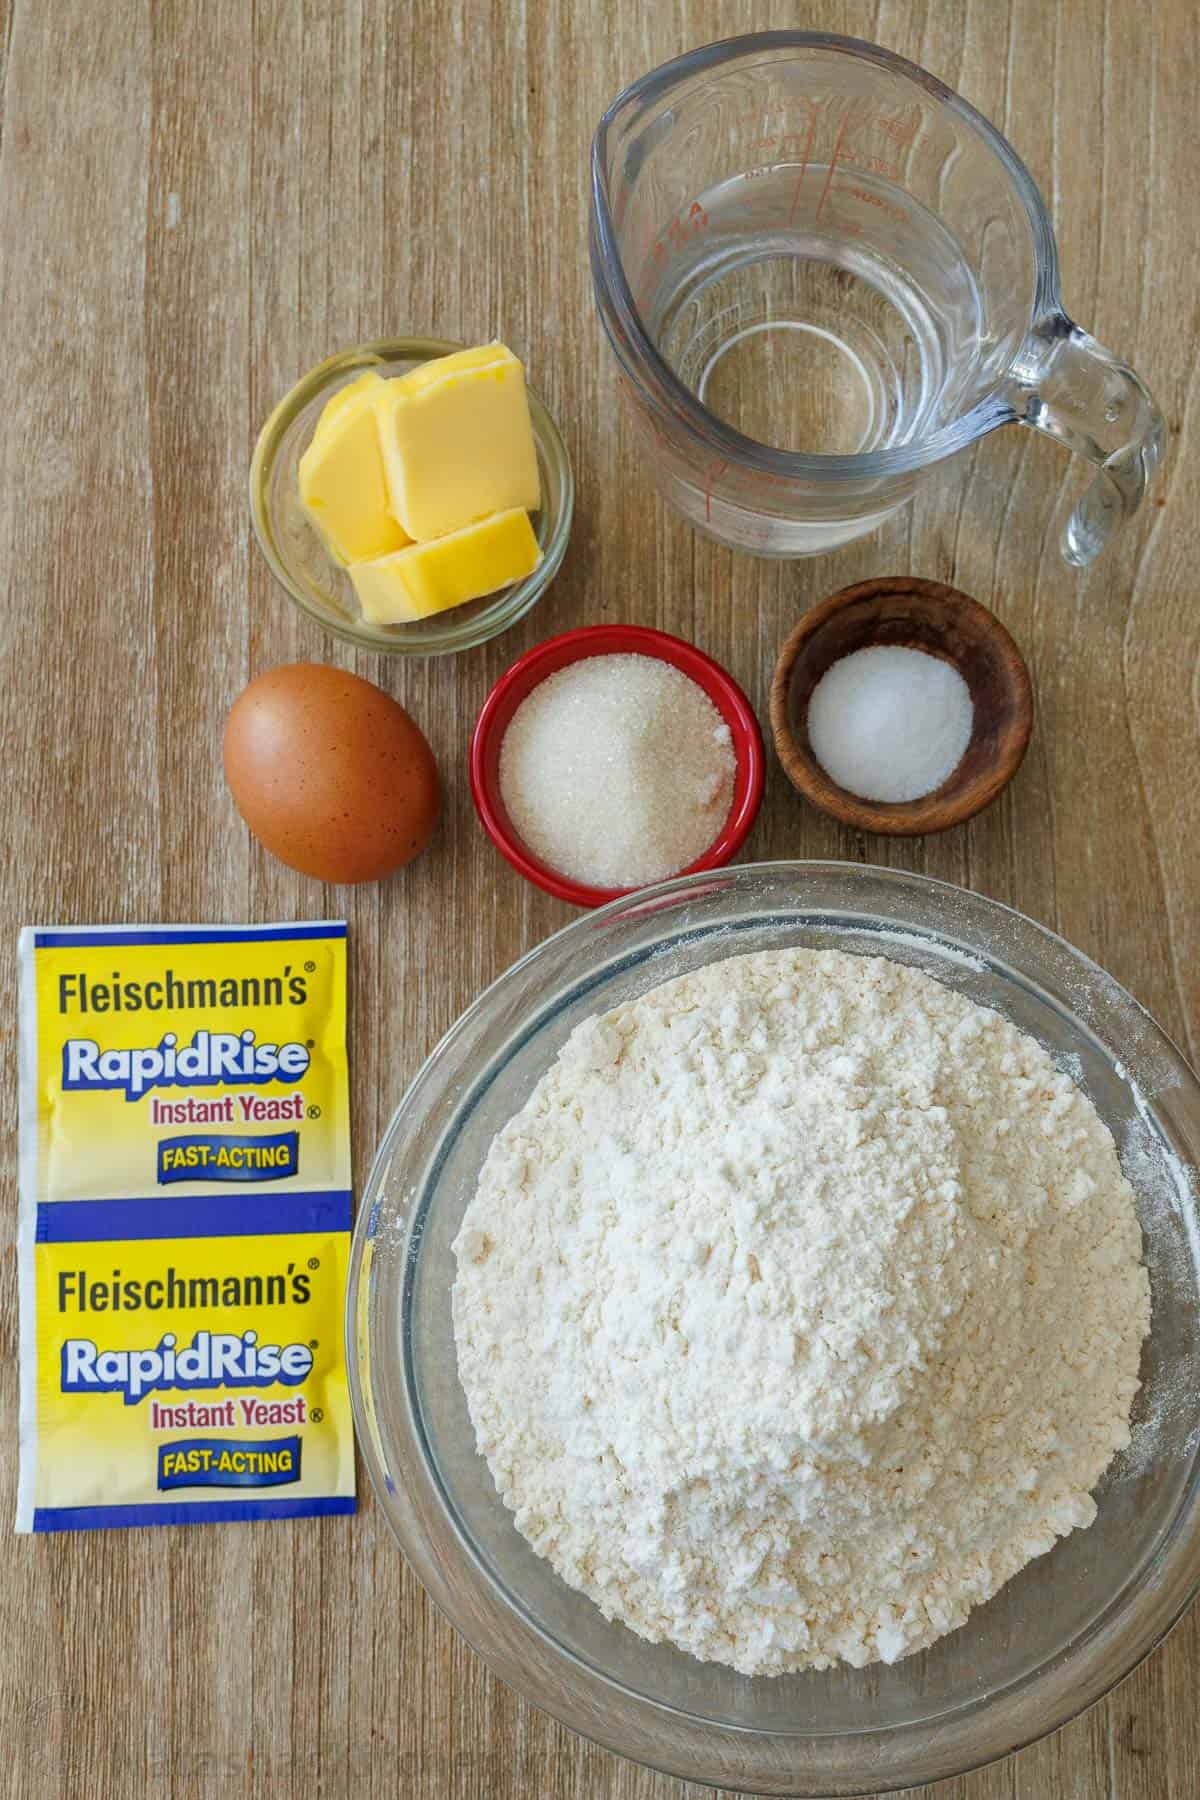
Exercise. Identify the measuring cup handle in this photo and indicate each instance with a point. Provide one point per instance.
(1075, 390)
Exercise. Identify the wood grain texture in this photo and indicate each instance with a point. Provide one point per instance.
(196, 204)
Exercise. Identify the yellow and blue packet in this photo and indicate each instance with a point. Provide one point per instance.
(184, 1225)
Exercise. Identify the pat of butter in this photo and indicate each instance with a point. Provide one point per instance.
(341, 478)
(457, 441)
(447, 571)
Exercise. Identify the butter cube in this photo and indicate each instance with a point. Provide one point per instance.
(341, 478)
(447, 571)
(457, 442)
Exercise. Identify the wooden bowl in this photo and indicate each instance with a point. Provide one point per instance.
(919, 615)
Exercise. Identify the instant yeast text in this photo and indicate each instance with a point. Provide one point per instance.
(185, 1215)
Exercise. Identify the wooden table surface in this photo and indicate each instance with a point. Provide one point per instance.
(196, 204)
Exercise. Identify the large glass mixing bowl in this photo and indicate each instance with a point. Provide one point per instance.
(1052, 1641)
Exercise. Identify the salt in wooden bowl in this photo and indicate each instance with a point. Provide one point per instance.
(901, 610)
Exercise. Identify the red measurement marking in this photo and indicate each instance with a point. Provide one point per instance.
(677, 233)
(765, 478)
(872, 165)
(901, 127)
(808, 147)
(876, 200)
(833, 161)
(679, 230)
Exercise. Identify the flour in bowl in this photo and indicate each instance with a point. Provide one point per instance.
(798, 1309)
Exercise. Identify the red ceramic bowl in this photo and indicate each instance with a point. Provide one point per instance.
(612, 640)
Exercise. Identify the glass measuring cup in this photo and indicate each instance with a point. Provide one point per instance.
(822, 273)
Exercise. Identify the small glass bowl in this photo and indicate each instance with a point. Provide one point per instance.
(299, 561)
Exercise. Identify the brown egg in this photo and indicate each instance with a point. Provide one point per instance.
(330, 773)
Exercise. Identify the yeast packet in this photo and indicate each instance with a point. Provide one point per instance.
(184, 1225)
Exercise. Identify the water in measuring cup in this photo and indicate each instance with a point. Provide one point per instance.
(829, 322)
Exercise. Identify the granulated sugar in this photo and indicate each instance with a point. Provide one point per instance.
(617, 771)
(889, 723)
